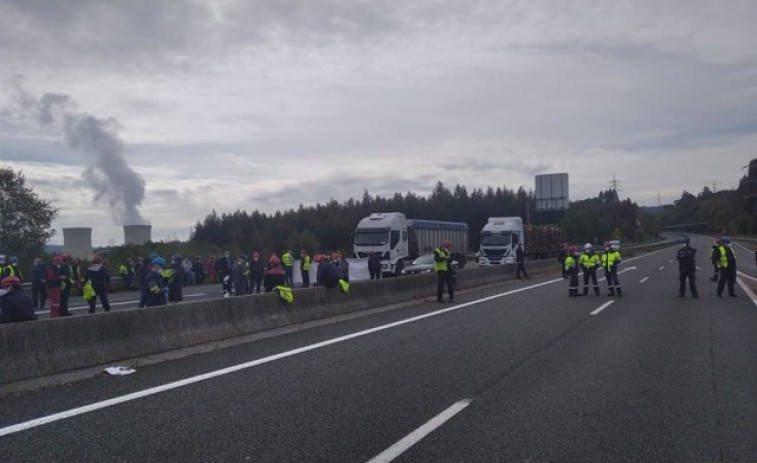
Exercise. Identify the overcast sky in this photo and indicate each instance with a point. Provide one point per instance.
(268, 104)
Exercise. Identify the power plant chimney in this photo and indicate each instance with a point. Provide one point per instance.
(77, 242)
(137, 234)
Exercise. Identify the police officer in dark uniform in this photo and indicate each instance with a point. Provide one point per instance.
(687, 268)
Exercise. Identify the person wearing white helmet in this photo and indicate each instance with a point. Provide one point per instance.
(590, 264)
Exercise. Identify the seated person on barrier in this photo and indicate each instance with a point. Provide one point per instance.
(15, 306)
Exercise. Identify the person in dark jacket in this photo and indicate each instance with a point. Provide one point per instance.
(342, 266)
(98, 276)
(374, 265)
(239, 273)
(176, 280)
(328, 274)
(39, 283)
(257, 271)
(520, 259)
(198, 270)
(275, 275)
(561, 256)
(223, 268)
(15, 306)
(154, 283)
(687, 268)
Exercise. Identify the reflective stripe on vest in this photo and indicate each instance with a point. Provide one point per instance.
(287, 259)
(306, 262)
(723, 261)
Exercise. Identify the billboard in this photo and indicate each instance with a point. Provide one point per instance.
(552, 192)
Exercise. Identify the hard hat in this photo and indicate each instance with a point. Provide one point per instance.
(159, 261)
(14, 260)
(587, 247)
(10, 281)
(97, 260)
(255, 254)
(59, 259)
(572, 248)
(274, 260)
(606, 244)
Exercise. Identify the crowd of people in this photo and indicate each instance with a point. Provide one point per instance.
(160, 281)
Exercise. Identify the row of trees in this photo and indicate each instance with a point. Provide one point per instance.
(730, 211)
(329, 226)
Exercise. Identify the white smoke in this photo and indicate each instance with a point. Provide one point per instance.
(107, 173)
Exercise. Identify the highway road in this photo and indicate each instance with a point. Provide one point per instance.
(511, 372)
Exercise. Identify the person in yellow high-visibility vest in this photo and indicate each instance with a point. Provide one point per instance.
(305, 267)
(443, 268)
(288, 262)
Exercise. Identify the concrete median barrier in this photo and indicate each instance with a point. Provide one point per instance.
(46, 347)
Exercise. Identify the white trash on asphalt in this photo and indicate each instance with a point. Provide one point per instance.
(120, 371)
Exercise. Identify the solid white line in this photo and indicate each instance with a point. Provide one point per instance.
(601, 307)
(661, 267)
(416, 436)
(232, 369)
(643, 279)
(748, 291)
(747, 276)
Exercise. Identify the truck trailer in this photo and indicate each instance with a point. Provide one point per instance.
(399, 240)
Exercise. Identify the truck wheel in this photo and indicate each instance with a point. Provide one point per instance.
(398, 268)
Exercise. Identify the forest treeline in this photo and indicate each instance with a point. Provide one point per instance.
(731, 212)
(330, 225)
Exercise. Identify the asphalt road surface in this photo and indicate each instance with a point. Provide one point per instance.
(512, 372)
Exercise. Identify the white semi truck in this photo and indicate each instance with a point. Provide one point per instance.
(499, 238)
(399, 240)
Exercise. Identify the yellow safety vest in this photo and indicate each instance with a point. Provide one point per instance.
(306, 262)
(589, 261)
(441, 266)
(287, 259)
(570, 263)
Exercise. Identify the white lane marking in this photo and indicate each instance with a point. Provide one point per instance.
(232, 369)
(643, 279)
(601, 307)
(670, 261)
(26, 425)
(196, 295)
(747, 276)
(416, 436)
(661, 267)
(748, 291)
(742, 246)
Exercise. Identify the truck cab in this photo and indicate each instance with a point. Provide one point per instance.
(499, 239)
(387, 234)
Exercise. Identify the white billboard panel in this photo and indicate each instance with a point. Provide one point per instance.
(552, 192)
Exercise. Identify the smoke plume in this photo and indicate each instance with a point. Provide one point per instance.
(107, 173)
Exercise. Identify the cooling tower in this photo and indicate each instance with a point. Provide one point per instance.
(77, 242)
(137, 234)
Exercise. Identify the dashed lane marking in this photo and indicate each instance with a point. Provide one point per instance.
(601, 307)
(643, 279)
(416, 436)
(662, 267)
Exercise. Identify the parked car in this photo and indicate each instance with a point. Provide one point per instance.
(425, 263)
